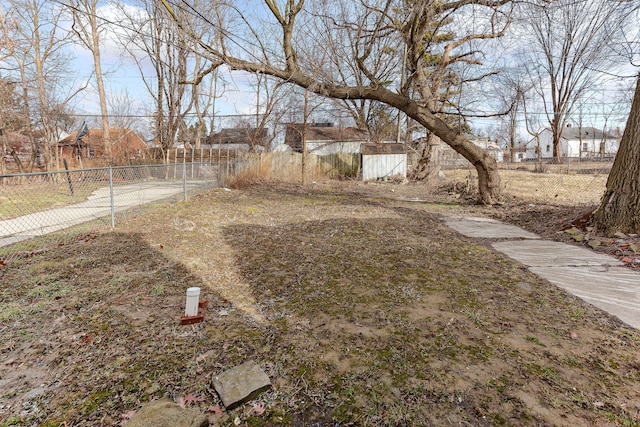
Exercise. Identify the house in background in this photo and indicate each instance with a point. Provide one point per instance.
(448, 157)
(125, 145)
(17, 145)
(242, 138)
(325, 138)
(519, 153)
(576, 142)
(491, 147)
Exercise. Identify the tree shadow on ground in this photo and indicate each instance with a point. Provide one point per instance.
(91, 329)
(398, 319)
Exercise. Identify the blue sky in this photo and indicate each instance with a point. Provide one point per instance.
(122, 76)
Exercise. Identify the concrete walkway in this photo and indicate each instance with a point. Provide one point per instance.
(97, 205)
(598, 279)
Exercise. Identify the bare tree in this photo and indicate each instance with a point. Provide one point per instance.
(511, 87)
(271, 96)
(11, 118)
(36, 57)
(171, 68)
(370, 27)
(532, 124)
(89, 31)
(122, 111)
(302, 106)
(202, 103)
(619, 208)
(570, 42)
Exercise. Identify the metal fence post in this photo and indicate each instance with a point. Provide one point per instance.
(184, 178)
(112, 198)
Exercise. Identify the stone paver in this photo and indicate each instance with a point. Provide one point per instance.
(543, 253)
(615, 290)
(165, 413)
(487, 228)
(241, 384)
(596, 278)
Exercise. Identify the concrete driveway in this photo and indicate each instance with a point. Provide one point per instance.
(97, 205)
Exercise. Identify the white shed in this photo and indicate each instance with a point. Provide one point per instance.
(383, 160)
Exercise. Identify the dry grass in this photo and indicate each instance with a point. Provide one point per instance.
(362, 308)
(283, 167)
(547, 188)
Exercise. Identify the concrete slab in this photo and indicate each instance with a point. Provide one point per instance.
(615, 290)
(487, 228)
(596, 278)
(241, 384)
(543, 253)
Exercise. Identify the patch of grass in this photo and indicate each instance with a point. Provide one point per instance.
(362, 310)
(13, 421)
(51, 287)
(577, 313)
(10, 310)
(35, 198)
(475, 317)
(157, 290)
(623, 419)
(534, 340)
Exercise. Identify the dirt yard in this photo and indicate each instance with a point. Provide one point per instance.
(359, 304)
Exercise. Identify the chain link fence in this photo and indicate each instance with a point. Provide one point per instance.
(572, 183)
(37, 209)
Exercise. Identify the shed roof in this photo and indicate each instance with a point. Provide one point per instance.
(241, 135)
(323, 133)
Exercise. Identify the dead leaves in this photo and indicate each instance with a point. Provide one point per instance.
(258, 408)
(190, 399)
(215, 409)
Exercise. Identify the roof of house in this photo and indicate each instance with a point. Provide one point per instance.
(241, 135)
(533, 141)
(586, 132)
(324, 132)
(121, 140)
(579, 133)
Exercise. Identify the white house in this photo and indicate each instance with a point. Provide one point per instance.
(489, 146)
(576, 142)
(449, 157)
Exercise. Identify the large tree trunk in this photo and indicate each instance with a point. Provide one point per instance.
(87, 29)
(489, 186)
(428, 166)
(419, 25)
(557, 143)
(619, 208)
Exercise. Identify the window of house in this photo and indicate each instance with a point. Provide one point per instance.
(548, 148)
(585, 146)
(91, 152)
